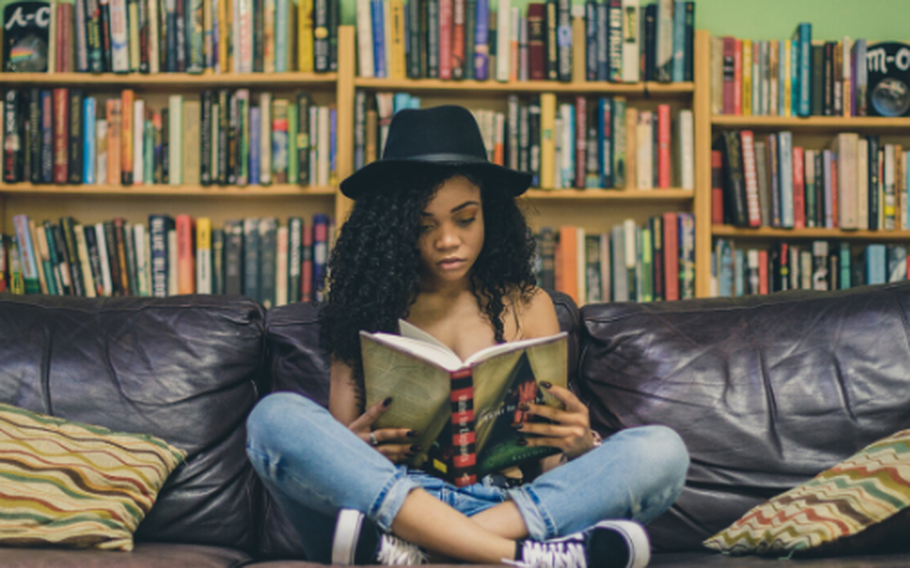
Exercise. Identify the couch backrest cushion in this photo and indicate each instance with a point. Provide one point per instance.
(298, 364)
(766, 391)
(186, 369)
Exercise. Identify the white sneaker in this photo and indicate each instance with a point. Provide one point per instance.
(608, 544)
(360, 543)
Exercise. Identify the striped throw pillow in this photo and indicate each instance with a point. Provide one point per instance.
(69, 484)
(868, 488)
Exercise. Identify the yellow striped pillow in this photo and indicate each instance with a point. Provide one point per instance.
(69, 484)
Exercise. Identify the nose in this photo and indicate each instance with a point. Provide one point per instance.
(447, 237)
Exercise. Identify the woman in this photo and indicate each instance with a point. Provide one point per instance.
(435, 238)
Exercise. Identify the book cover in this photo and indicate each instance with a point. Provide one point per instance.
(631, 47)
(440, 389)
(26, 37)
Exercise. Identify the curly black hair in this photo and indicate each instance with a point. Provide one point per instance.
(374, 269)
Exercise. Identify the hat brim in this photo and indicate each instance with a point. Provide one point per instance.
(375, 174)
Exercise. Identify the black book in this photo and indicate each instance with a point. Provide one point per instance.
(334, 20)
(233, 257)
(470, 27)
(873, 182)
(819, 190)
(828, 79)
(94, 258)
(534, 140)
(689, 46)
(774, 177)
(251, 258)
(295, 257)
(205, 138)
(591, 40)
(104, 11)
(47, 136)
(413, 50)
(224, 128)
(433, 39)
(603, 42)
(259, 35)
(25, 37)
(234, 137)
(57, 242)
(129, 247)
(552, 41)
(113, 258)
(650, 43)
(93, 35)
(268, 261)
(734, 183)
(423, 36)
(26, 145)
(657, 256)
(303, 138)
(165, 143)
(524, 138)
(12, 143)
(180, 36)
(217, 261)
(321, 48)
(68, 234)
(818, 80)
(120, 251)
(75, 136)
(564, 39)
(34, 135)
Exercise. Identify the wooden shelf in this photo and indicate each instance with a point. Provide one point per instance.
(612, 194)
(471, 86)
(250, 191)
(171, 81)
(775, 233)
(839, 123)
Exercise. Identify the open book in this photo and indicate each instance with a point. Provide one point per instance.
(462, 410)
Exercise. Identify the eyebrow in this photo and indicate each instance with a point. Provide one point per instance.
(454, 209)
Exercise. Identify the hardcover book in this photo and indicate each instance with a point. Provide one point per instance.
(25, 37)
(464, 410)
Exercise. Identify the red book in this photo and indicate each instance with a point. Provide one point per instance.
(537, 47)
(671, 256)
(663, 146)
(763, 272)
(738, 77)
(581, 141)
(458, 47)
(717, 187)
(750, 177)
(306, 266)
(729, 48)
(186, 254)
(66, 39)
(61, 135)
(799, 188)
(445, 39)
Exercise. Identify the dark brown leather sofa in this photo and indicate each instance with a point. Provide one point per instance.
(766, 392)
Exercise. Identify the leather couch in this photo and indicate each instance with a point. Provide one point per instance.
(766, 392)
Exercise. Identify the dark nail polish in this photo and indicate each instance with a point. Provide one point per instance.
(387, 401)
(546, 384)
(521, 442)
(416, 448)
(518, 425)
(413, 433)
(524, 406)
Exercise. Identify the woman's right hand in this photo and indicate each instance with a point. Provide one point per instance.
(393, 443)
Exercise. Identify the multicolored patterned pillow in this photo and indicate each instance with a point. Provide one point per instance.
(69, 484)
(861, 492)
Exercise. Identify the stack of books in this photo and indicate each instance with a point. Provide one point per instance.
(466, 39)
(171, 255)
(225, 137)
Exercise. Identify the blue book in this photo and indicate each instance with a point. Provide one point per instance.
(376, 11)
(725, 269)
(159, 225)
(333, 140)
(739, 268)
(679, 41)
(88, 137)
(794, 78)
(400, 101)
(255, 160)
(828, 158)
(876, 264)
(415, 103)
(845, 262)
(602, 46)
(785, 143)
(47, 136)
(281, 36)
(803, 35)
(605, 141)
(590, 40)
(482, 40)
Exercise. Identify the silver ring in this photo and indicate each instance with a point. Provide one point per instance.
(373, 440)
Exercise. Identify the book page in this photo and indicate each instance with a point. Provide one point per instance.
(433, 353)
(494, 350)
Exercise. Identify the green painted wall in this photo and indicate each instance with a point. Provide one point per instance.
(776, 19)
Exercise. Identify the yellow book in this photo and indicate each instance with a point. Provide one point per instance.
(203, 255)
(224, 36)
(305, 36)
(268, 47)
(396, 8)
(547, 139)
(788, 78)
(747, 77)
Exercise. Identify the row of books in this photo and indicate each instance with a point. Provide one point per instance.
(222, 137)
(799, 77)
(816, 265)
(470, 39)
(193, 36)
(274, 264)
(646, 263)
(855, 183)
(596, 143)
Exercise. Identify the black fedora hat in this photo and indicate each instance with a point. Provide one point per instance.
(433, 137)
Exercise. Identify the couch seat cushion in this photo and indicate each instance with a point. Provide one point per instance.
(145, 555)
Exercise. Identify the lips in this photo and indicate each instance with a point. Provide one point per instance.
(451, 263)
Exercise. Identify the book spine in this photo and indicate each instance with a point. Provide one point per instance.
(251, 258)
(233, 257)
(268, 229)
(321, 55)
(458, 39)
(34, 135)
(630, 42)
(615, 40)
(464, 458)
(280, 141)
(295, 257)
(27, 259)
(61, 134)
(120, 52)
(47, 136)
(750, 177)
(564, 39)
(186, 255)
(89, 140)
(503, 36)
(433, 39)
(203, 267)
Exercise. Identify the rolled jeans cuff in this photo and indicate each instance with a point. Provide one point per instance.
(386, 506)
(540, 524)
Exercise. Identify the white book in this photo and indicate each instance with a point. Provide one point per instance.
(862, 184)
(499, 130)
(664, 40)
(175, 145)
(154, 48)
(488, 129)
(143, 269)
(314, 144)
(785, 145)
(630, 41)
(387, 32)
(84, 262)
(281, 267)
(203, 256)
(686, 150)
(514, 36)
(567, 149)
(172, 262)
(282, 43)
(265, 138)
(106, 284)
(644, 153)
(503, 37)
(101, 145)
(365, 38)
(324, 146)
(581, 276)
(845, 146)
(246, 35)
(138, 139)
(120, 52)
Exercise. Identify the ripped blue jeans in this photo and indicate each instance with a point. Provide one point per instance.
(313, 466)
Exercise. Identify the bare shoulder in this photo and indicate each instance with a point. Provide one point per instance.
(538, 315)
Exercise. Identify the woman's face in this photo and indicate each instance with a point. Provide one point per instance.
(451, 232)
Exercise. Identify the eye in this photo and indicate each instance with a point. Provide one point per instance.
(466, 222)
(425, 227)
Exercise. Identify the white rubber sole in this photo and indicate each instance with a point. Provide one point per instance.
(636, 537)
(347, 531)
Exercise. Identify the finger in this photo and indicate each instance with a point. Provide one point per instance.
(553, 430)
(566, 396)
(371, 414)
(558, 415)
(550, 442)
(398, 452)
(393, 434)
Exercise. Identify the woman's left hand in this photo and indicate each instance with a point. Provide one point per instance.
(571, 428)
